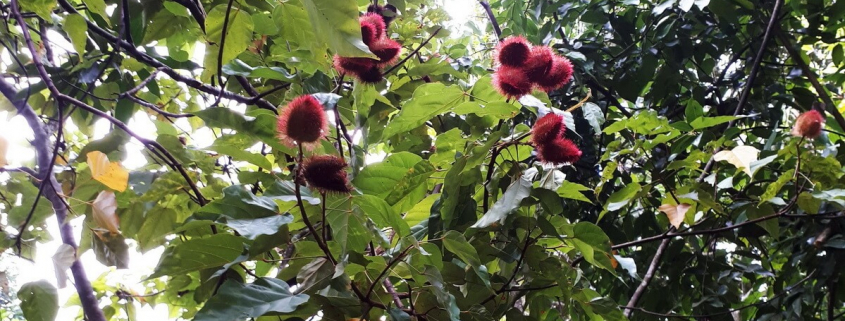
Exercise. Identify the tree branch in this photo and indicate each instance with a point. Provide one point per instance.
(401, 62)
(655, 262)
(492, 18)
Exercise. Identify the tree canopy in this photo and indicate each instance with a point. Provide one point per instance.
(308, 160)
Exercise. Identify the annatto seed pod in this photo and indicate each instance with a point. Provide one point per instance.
(327, 174)
(370, 76)
(388, 13)
(302, 121)
(539, 64)
(350, 65)
(368, 32)
(377, 21)
(559, 151)
(547, 129)
(513, 52)
(808, 124)
(511, 82)
(386, 50)
(559, 75)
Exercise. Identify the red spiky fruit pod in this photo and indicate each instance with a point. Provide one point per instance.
(352, 65)
(513, 51)
(511, 82)
(547, 129)
(808, 124)
(559, 75)
(539, 64)
(558, 151)
(376, 21)
(386, 50)
(370, 76)
(302, 121)
(368, 32)
(327, 174)
(388, 12)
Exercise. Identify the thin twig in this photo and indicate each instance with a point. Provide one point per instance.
(401, 62)
(492, 18)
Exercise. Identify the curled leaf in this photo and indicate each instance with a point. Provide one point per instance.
(105, 207)
(740, 156)
(676, 213)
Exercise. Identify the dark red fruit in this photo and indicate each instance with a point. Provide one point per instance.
(349, 65)
(376, 21)
(547, 129)
(386, 50)
(558, 151)
(808, 124)
(368, 32)
(326, 174)
(370, 76)
(559, 75)
(511, 82)
(539, 64)
(302, 121)
(513, 51)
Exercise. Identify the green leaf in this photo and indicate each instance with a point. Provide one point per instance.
(573, 191)
(497, 110)
(315, 275)
(290, 17)
(399, 179)
(593, 244)
(198, 254)
(98, 7)
(238, 301)
(444, 298)
(239, 68)
(261, 127)
(621, 197)
(771, 225)
(39, 301)
(77, 29)
(382, 214)
(456, 243)
(429, 100)
(253, 228)
(707, 122)
(510, 201)
(43, 8)
(238, 203)
(238, 36)
(774, 188)
(594, 116)
(337, 24)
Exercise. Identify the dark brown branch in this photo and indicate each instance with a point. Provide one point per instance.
(830, 106)
(492, 18)
(41, 141)
(222, 44)
(141, 85)
(655, 262)
(132, 51)
(417, 50)
(152, 106)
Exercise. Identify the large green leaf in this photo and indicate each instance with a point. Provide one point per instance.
(382, 214)
(238, 203)
(238, 301)
(238, 36)
(398, 179)
(77, 29)
(593, 244)
(510, 201)
(337, 23)
(39, 301)
(261, 127)
(198, 254)
(429, 100)
(43, 8)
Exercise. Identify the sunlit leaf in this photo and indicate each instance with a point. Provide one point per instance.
(111, 174)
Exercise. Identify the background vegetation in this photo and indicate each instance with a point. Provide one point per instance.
(691, 199)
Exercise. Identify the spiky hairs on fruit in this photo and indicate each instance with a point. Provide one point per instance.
(511, 82)
(547, 129)
(327, 174)
(513, 51)
(559, 75)
(368, 33)
(352, 65)
(558, 151)
(808, 124)
(539, 63)
(376, 20)
(386, 50)
(370, 76)
(302, 121)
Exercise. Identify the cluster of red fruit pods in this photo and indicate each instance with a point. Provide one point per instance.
(304, 123)
(523, 67)
(548, 140)
(374, 33)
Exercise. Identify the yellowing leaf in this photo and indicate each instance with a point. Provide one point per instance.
(676, 213)
(109, 173)
(104, 207)
(4, 147)
(740, 156)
